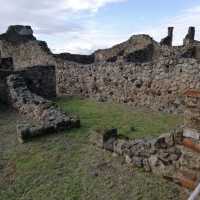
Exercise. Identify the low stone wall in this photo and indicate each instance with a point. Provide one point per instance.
(167, 156)
(49, 118)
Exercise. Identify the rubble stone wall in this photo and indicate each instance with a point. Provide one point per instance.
(26, 54)
(49, 118)
(157, 85)
(3, 86)
(157, 82)
(41, 80)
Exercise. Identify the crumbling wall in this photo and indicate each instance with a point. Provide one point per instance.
(40, 80)
(3, 86)
(26, 54)
(140, 71)
(82, 59)
(139, 48)
(157, 85)
(6, 68)
(48, 118)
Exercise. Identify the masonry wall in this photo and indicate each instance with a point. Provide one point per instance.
(26, 54)
(157, 85)
(41, 80)
(3, 85)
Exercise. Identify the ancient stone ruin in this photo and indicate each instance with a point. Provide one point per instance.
(168, 40)
(189, 38)
(173, 155)
(138, 72)
(27, 91)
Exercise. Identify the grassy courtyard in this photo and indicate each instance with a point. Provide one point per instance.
(66, 166)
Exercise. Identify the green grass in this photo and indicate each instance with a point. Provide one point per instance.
(66, 166)
(95, 115)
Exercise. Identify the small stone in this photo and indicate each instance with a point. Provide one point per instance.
(104, 138)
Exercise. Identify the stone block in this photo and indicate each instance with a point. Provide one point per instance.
(104, 138)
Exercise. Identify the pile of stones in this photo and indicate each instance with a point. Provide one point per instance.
(48, 117)
(168, 156)
(159, 156)
(174, 155)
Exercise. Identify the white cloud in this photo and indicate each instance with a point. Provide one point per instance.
(92, 5)
(69, 25)
(94, 38)
(87, 41)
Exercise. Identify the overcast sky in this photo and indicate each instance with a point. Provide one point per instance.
(82, 26)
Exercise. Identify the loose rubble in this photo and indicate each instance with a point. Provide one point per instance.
(50, 118)
(29, 92)
(165, 156)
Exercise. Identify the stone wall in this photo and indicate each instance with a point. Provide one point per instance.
(158, 81)
(6, 68)
(82, 59)
(41, 80)
(157, 85)
(3, 86)
(42, 116)
(139, 48)
(26, 54)
(171, 156)
(28, 91)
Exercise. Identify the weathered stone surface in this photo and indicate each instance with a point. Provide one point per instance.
(192, 114)
(189, 38)
(158, 83)
(6, 64)
(104, 138)
(139, 49)
(170, 156)
(18, 33)
(168, 40)
(158, 155)
(50, 119)
(6, 68)
(82, 59)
